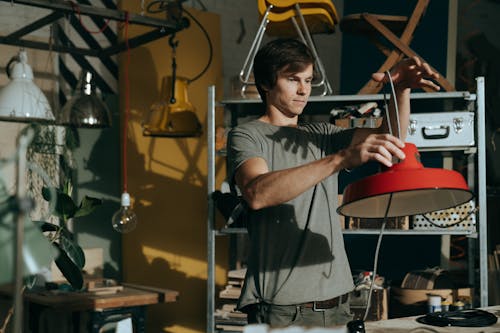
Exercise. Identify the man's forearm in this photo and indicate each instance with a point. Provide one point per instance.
(277, 187)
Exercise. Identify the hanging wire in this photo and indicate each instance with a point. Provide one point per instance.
(386, 214)
(76, 8)
(387, 115)
(173, 44)
(127, 104)
(375, 260)
(430, 219)
(177, 9)
(210, 47)
(393, 91)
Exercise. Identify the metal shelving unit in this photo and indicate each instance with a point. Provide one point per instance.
(476, 157)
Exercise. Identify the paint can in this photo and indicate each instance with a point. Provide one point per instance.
(434, 303)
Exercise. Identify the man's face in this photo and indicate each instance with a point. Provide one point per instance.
(291, 92)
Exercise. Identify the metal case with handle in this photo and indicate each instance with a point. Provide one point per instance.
(441, 129)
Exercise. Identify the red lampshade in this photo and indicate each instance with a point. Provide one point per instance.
(414, 189)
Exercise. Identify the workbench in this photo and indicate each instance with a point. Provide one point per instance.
(90, 311)
(398, 325)
(409, 324)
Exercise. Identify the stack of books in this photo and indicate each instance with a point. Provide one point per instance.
(227, 318)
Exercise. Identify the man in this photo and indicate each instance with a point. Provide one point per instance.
(298, 272)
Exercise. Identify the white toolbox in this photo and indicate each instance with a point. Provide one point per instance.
(441, 129)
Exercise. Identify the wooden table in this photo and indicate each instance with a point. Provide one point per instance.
(103, 308)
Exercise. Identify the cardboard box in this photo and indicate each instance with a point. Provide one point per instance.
(368, 122)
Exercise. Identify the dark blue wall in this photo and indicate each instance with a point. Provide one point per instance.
(360, 57)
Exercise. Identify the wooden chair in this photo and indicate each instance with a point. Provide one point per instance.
(378, 28)
(293, 18)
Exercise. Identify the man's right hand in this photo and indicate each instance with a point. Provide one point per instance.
(375, 147)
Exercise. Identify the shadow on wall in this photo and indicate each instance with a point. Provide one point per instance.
(168, 248)
(167, 180)
(98, 175)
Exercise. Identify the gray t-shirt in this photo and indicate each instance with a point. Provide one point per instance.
(297, 250)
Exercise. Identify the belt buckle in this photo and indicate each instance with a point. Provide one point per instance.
(315, 309)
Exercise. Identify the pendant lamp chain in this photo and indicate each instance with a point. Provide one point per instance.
(173, 44)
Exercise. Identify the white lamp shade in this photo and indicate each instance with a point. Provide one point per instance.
(21, 99)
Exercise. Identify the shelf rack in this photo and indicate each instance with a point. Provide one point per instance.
(60, 9)
(476, 176)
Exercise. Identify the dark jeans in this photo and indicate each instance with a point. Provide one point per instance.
(287, 315)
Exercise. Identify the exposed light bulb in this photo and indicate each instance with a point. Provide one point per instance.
(124, 220)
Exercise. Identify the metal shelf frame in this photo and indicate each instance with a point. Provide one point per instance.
(60, 9)
(476, 178)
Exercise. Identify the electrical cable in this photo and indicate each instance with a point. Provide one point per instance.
(386, 105)
(375, 260)
(386, 213)
(127, 104)
(210, 47)
(158, 6)
(76, 9)
(463, 318)
(448, 225)
(393, 91)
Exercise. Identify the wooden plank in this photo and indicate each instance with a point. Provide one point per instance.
(73, 301)
(131, 295)
(166, 295)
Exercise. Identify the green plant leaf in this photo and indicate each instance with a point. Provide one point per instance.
(47, 192)
(69, 269)
(65, 206)
(87, 206)
(72, 250)
(46, 226)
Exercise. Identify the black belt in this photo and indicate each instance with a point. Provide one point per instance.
(328, 304)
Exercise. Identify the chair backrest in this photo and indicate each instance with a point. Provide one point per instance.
(318, 20)
(324, 4)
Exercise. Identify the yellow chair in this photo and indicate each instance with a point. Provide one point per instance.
(379, 28)
(319, 15)
(293, 18)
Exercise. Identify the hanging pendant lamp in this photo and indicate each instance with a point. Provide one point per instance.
(85, 108)
(406, 188)
(414, 189)
(173, 116)
(21, 100)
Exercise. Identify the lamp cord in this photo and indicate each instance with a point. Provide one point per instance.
(384, 222)
(463, 318)
(173, 44)
(393, 91)
(9, 64)
(375, 260)
(158, 6)
(210, 47)
(430, 219)
(127, 105)
(76, 8)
